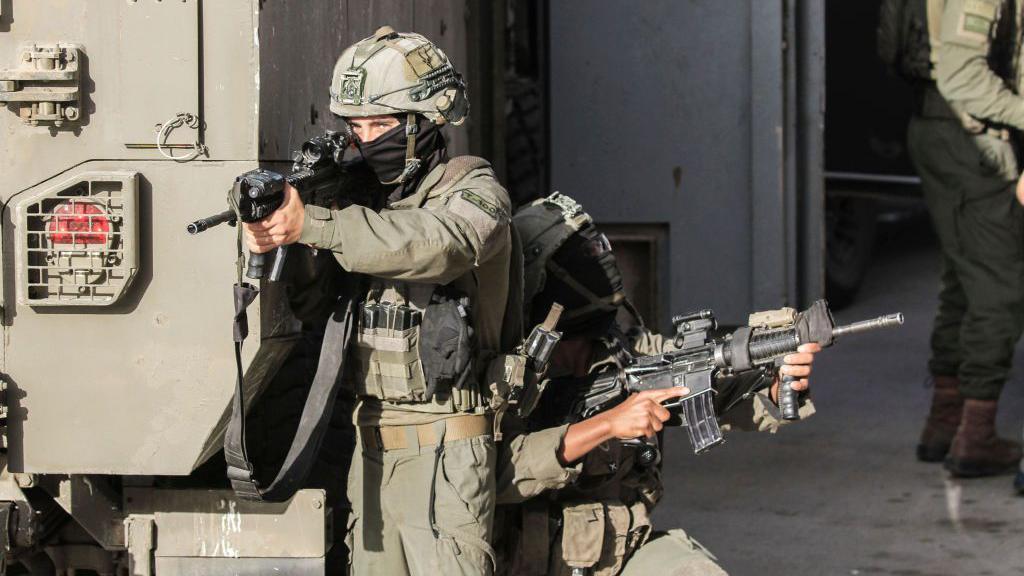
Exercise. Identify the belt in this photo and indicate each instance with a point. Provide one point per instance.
(399, 437)
(931, 105)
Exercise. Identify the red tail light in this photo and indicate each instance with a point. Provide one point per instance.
(78, 223)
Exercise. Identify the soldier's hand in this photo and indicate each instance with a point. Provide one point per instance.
(1020, 190)
(284, 226)
(797, 365)
(641, 415)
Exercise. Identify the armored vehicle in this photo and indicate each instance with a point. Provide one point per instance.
(122, 121)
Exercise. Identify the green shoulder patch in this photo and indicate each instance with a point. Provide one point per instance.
(480, 202)
(976, 21)
(983, 9)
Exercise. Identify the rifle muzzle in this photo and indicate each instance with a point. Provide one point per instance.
(888, 321)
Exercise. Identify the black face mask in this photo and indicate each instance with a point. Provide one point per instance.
(386, 154)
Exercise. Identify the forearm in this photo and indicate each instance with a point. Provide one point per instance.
(969, 83)
(583, 437)
(964, 74)
(528, 463)
(414, 244)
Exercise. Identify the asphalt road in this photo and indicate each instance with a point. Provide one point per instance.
(841, 493)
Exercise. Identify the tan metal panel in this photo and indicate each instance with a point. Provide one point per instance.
(139, 62)
(140, 387)
(216, 524)
(159, 64)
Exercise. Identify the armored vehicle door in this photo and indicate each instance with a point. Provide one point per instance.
(122, 122)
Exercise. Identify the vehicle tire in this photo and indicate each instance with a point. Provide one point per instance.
(850, 226)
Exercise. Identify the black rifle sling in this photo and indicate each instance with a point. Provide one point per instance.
(316, 413)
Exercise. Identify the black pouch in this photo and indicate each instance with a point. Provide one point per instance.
(447, 342)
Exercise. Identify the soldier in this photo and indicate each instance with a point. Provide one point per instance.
(961, 57)
(436, 259)
(595, 517)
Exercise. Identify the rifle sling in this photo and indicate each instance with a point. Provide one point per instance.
(316, 413)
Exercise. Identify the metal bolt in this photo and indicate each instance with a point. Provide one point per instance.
(71, 113)
(317, 504)
(25, 480)
(71, 55)
(26, 56)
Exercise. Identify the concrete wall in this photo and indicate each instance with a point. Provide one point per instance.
(694, 116)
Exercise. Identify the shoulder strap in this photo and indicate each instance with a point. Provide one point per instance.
(513, 325)
(456, 169)
(316, 413)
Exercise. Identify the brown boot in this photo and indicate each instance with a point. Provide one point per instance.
(943, 420)
(976, 450)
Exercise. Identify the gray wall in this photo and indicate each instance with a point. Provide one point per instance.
(692, 114)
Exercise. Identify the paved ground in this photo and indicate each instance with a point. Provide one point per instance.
(841, 494)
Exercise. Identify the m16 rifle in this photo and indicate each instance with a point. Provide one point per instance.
(317, 170)
(700, 361)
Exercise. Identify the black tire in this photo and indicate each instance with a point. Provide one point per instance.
(850, 227)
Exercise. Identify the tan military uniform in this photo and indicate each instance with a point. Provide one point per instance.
(961, 139)
(422, 489)
(595, 517)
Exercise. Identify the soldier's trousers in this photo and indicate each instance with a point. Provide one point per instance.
(392, 494)
(672, 553)
(968, 182)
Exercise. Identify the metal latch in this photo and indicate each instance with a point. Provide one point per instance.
(45, 85)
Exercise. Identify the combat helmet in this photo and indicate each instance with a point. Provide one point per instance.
(567, 260)
(394, 72)
(398, 72)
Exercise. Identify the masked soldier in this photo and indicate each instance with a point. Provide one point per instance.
(586, 498)
(435, 255)
(962, 58)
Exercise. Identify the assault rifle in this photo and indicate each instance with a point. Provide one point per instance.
(317, 169)
(700, 361)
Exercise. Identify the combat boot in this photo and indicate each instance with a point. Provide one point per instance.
(943, 419)
(976, 450)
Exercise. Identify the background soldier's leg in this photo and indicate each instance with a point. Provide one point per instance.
(992, 236)
(672, 553)
(933, 147)
(990, 229)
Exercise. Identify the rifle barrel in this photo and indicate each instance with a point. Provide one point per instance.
(866, 325)
(204, 224)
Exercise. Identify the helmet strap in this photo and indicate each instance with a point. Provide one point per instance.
(412, 164)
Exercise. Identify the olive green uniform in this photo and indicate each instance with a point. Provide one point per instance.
(595, 516)
(962, 142)
(422, 485)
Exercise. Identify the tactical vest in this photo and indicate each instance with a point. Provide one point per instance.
(416, 346)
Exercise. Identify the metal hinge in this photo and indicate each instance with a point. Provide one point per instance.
(45, 85)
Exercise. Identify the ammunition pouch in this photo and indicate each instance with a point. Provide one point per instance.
(409, 355)
(600, 537)
(506, 375)
(447, 343)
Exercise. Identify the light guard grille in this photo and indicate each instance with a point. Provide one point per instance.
(78, 241)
